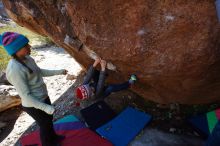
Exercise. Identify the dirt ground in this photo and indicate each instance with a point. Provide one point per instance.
(166, 118)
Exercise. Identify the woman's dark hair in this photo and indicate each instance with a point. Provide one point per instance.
(20, 61)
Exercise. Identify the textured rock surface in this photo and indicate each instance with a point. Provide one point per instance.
(173, 46)
(8, 97)
(7, 102)
(3, 79)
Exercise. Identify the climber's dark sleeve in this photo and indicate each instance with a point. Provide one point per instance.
(100, 85)
(89, 75)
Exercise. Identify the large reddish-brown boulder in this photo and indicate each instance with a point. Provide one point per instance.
(173, 46)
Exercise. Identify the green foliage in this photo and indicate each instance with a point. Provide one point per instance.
(4, 58)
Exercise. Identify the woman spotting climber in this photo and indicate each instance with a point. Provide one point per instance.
(27, 78)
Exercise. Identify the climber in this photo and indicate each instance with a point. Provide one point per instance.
(27, 78)
(217, 4)
(94, 83)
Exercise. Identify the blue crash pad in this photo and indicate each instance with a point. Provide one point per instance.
(123, 128)
(214, 137)
(69, 126)
(206, 122)
(200, 124)
(69, 118)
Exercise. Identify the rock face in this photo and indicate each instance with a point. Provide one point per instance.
(8, 97)
(8, 101)
(3, 79)
(172, 46)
